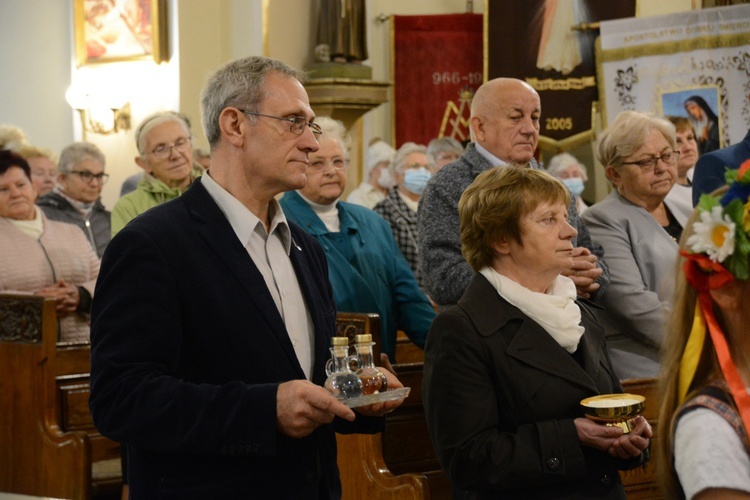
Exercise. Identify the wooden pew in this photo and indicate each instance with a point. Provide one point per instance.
(405, 451)
(399, 463)
(48, 444)
(641, 483)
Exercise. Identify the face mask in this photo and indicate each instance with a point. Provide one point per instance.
(574, 184)
(384, 179)
(416, 180)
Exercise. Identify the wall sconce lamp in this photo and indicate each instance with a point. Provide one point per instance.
(101, 115)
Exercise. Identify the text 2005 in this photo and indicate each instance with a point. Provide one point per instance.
(558, 123)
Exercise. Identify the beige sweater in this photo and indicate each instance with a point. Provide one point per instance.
(25, 268)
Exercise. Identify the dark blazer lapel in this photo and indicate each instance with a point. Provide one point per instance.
(221, 238)
(531, 344)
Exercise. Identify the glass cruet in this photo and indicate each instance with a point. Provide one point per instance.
(342, 382)
(373, 380)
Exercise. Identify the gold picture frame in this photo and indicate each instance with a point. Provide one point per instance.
(120, 30)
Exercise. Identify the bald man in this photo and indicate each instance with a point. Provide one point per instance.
(504, 123)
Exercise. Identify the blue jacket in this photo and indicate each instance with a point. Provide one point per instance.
(367, 270)
(711, 167)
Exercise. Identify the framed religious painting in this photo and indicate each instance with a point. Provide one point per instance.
(120, 30)
(700, 105)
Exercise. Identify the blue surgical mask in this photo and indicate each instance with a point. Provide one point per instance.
(574, 184)
(416, 180)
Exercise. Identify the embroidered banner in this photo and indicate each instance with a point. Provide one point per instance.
(541, 47)
(694, 64)
(437, 66)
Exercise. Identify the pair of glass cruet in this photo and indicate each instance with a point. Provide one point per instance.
(366, 379)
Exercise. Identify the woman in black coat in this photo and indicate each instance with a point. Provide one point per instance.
(506, 368)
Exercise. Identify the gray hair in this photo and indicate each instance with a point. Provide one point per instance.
(378, 152)
(336, 130)
(626, 134)
(77, 152)
(154, 120)
(238, 83)
(563, 161)
(443, 145)
(405, 150)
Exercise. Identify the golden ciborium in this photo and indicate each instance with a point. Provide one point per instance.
(614, 409)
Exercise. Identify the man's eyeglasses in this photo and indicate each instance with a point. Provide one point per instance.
(320, 164)
(297, 123)
(87, 177)
(164, 151)
(647, 165)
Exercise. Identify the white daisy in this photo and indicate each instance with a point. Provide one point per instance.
(713, 234)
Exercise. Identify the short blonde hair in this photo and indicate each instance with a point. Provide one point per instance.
(491, 208)
(28, 151)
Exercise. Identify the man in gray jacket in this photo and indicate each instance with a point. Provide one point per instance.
(505, 114)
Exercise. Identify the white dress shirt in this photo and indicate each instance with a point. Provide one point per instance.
(270, 252)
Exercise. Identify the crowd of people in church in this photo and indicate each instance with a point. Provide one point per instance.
(209, 291)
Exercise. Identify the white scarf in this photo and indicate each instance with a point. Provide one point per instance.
(82, 206)
(556, 310)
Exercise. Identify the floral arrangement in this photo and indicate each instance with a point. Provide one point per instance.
(720, 242)
(719, 250)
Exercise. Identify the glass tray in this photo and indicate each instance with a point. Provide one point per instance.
(381, 397)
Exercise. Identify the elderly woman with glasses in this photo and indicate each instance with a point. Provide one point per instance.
(166, 155)
(410, 169)
(367, 270)
(41, 256)
(77, 197)
(639, 235)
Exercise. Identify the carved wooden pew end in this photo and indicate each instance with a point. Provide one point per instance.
(48, 444)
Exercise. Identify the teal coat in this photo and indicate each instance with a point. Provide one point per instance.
(367, 270)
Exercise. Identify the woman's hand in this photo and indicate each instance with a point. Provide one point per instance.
(633, 443)
(65, 295)
(612, 439)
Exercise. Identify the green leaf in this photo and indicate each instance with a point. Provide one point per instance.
(707, 202)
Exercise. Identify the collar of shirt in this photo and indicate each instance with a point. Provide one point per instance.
(494, 160)
(242, 220)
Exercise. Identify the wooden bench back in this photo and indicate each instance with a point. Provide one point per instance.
(391, 465)
(48, 443)
(36, 456)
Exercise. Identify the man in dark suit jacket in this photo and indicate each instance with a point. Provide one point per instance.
(710, 169)
(214, 316)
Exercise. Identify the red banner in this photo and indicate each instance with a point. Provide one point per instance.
(437, 66)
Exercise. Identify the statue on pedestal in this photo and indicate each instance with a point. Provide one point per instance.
(342, 26)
